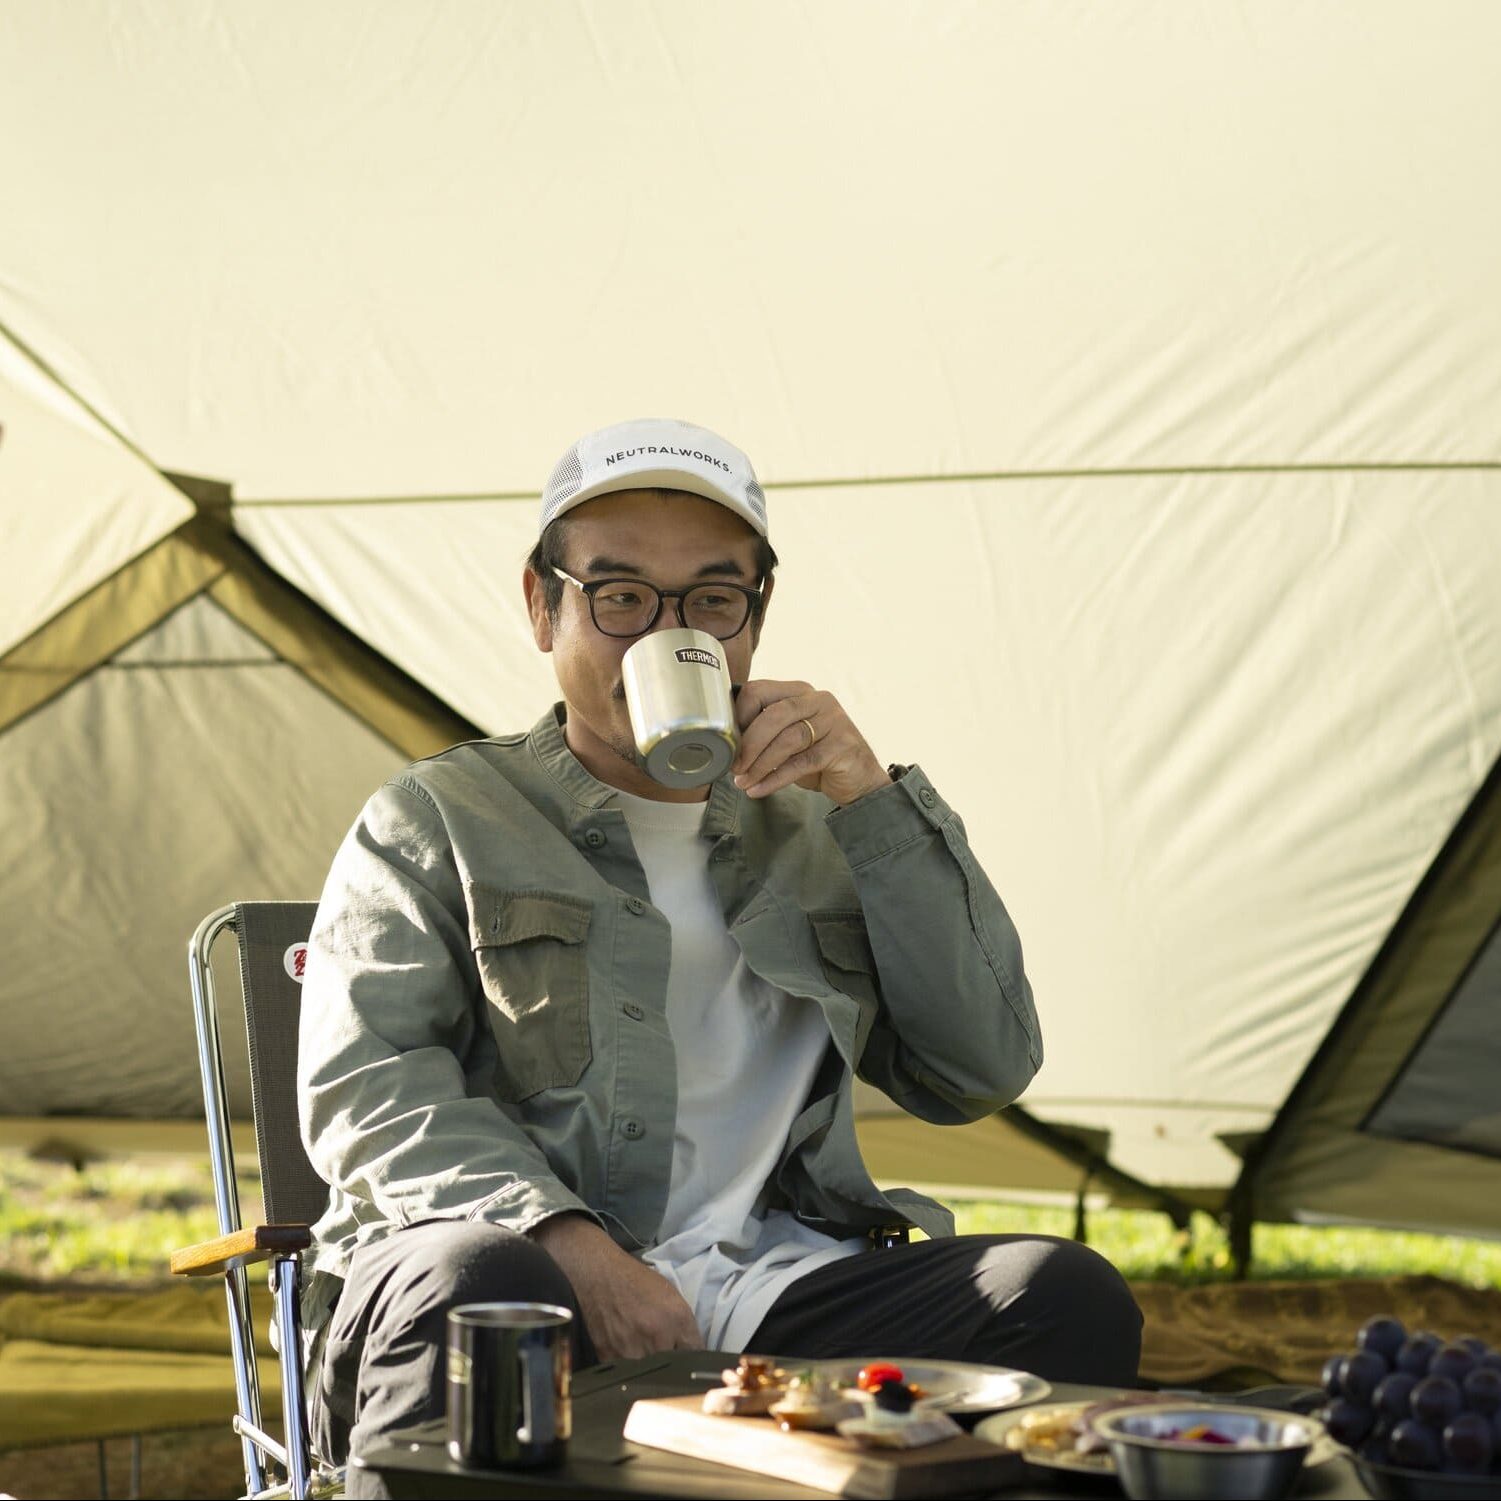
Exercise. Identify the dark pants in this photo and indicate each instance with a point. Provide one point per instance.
(1045, 1305)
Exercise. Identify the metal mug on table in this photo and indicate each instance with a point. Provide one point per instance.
(677, 689)
(509, 1369)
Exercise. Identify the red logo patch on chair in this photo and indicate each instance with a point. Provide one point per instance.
(294, 961)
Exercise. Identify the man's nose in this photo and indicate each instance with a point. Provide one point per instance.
(667, 618)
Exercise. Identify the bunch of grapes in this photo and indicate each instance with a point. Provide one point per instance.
(1417, 1401)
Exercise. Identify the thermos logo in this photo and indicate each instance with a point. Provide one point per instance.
(697, 654)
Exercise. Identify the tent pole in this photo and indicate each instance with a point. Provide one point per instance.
(1096, 1166)
(1239, 1221)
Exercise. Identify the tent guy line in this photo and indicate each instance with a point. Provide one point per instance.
(1457, 466)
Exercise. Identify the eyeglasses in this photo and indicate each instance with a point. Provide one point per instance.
(630, 607)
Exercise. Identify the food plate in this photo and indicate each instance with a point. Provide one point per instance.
(1010, 1431)
(948, 1385)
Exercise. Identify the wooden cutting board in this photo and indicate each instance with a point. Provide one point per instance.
(822, 1461)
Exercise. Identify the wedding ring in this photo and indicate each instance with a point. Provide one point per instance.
(812, 733)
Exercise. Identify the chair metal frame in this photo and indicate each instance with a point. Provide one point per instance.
(236, 1249)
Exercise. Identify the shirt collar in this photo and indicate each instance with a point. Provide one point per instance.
(587, 792)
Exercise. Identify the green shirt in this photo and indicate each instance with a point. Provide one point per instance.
(483, 1027)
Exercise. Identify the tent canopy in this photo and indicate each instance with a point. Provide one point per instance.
(1126, 384)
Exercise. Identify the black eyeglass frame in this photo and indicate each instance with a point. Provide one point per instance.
(589, 590)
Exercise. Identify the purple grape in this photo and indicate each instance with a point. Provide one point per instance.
(1415, 1355)
(1435, 1401)
(1360, 1373)
(1375, 1446)
(1348, 1422)
(1453, 1361)
(1392, 1396)
(1474, 1344)
(1467, 1442)
(1329, 1376)
(1482, 1390)
(1491, 1360)
(1413, 1446)
(1383, 1335)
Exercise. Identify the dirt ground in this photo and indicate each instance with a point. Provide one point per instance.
(199, 1463)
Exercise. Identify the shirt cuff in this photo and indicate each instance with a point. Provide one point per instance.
(888, 818)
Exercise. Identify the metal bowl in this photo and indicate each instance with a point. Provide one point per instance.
(1263, 1462)
(1392, 1483)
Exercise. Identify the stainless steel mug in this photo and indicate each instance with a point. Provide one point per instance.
(677, 689)
(509, 1367)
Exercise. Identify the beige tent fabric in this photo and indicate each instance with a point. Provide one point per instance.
(1125, 383)
(1205, 732)
(75, 504)
(101, 621)
(146, 798)
(423, 249)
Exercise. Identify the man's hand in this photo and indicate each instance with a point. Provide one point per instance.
(790, 732)
(628, 1309)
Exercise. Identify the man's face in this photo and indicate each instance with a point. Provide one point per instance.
(669, 539)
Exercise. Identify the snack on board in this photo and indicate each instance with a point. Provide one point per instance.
(812, 1402)
(750, 1389)
(890, 1421)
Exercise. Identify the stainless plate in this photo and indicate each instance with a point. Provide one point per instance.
(950, 1385)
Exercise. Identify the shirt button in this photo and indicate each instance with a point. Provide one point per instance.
(633, 1011)
(595, 839)
(633, 1128)
(636, 905)
(927, 797)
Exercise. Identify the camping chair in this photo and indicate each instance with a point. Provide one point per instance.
(273, 945)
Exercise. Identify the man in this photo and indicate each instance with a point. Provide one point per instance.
(574, 1036)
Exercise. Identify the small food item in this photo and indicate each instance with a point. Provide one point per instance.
(751, 1388)
(894, 1396)
(1200, 1433)
(811, 1402)
(905, 1430)
(878, 1374)
(1383, 1335)
(1417, 1352)
(1090, 1442)
(1413, 1445)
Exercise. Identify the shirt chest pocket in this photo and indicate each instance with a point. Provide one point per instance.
(532, 953)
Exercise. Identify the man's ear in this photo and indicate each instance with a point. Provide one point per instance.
(536, 607)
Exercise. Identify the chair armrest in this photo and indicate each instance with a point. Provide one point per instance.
(215, 1257)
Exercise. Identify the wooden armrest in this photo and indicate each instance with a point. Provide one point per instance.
(215, 1257)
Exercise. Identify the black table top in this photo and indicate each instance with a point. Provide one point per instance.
(600, 1463)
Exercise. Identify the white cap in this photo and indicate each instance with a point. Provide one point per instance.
(651, 452)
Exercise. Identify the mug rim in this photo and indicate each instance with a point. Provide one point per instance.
(484, 1315)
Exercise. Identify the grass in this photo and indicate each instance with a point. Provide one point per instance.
(117, 1222)
(1145, 1246)
(106, 1222)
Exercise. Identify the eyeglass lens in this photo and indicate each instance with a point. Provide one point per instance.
(626, 607)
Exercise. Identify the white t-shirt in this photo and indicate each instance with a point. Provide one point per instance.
(746, 1056)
